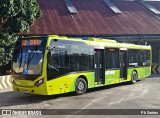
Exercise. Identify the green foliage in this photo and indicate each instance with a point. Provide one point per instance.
(19, 14)
(15, 17)
(6, 48)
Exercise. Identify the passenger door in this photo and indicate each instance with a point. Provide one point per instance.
(99, 66)
(123, 63)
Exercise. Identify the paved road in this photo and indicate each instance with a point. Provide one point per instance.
(142, 95)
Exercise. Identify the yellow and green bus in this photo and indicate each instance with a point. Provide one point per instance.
(52, 64)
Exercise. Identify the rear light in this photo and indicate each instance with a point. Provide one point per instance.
(39, 82)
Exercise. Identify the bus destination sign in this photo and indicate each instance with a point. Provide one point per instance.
(31, 42)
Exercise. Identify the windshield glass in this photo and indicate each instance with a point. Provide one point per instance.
(28, 60)
(28, 56)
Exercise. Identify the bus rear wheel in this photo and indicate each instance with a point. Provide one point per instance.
(134, 77)
(81, 86)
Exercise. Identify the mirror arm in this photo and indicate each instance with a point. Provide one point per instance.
(51, 48)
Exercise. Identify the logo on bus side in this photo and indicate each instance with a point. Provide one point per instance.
(109, 72)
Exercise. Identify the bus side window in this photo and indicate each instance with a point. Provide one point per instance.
(53, 58)
(74, 62)
(139, 57)
(62, 59)
(112, 59)
(58, 59)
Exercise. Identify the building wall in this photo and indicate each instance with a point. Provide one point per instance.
(155, 51)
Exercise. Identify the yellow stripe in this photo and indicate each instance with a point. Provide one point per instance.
(1, 86)
(8, 80)
(153, 69)
(3, 82)
(158, 69)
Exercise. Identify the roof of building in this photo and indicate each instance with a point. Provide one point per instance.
(95, 17)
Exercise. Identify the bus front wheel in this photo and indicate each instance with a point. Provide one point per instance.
(134, 77)
(81, 86)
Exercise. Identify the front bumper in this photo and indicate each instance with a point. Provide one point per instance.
(30, 90)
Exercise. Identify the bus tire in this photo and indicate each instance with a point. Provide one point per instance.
(81, 86)
(134, 77)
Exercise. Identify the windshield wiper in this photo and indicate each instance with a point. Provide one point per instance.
(20, 63)
(50, 66)
(29, 59)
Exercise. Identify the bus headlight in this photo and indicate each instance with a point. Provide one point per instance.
(39, 82)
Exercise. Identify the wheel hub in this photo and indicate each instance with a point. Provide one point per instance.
(80, 86)
(134, 76)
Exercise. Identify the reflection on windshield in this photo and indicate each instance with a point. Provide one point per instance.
(28, 61)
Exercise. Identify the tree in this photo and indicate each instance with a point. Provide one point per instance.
(16, 16)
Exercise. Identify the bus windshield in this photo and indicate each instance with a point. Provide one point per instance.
(28, 60)
(28, 56)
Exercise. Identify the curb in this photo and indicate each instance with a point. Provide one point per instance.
(5, 82)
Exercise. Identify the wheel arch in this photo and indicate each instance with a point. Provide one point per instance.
(84, 77)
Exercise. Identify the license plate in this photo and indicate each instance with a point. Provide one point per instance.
(24, 91)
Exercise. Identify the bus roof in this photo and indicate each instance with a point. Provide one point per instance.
(93, 41)
(103, 42)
